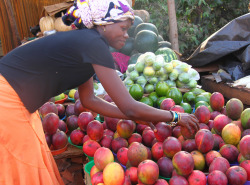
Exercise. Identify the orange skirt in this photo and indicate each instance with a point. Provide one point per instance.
(25, 158)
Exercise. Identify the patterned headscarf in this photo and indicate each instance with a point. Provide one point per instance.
(87, 13)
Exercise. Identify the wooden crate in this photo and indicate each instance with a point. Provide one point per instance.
(70, 165)
(209, 84)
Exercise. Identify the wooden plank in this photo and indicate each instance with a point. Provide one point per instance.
(209, 84)
(207, 68)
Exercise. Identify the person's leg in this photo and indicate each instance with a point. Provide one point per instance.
(25, 157)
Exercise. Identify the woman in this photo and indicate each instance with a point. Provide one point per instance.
(33, 73)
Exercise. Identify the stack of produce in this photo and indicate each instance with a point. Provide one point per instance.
(47, 23)
(58, 120)
(54, 128)
(143, 37)
(124, 151)
(51, 23)
(154, 74)
(151, 68)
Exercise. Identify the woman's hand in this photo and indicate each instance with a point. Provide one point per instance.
(189, 121)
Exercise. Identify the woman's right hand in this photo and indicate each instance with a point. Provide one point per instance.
(189, 121)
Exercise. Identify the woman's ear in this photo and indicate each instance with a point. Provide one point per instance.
(101, 29)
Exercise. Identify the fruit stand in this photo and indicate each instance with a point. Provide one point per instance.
(93, 149)
(217, 151)
(113, 151)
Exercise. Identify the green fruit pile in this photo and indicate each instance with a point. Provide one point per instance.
(157, 72)
(197, 97)
(143, 37)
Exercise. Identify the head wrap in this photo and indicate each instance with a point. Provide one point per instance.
(87, 13)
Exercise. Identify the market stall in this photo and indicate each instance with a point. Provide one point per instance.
(90, 148)
(121, 150)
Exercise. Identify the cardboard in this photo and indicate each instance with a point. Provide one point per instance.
(51, 10)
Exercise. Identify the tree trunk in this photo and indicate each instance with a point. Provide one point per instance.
(173, 32)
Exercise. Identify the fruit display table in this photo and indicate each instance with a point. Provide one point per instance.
(70, 164)
(209, 84)
(71, 152)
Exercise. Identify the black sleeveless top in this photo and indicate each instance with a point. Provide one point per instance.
(53, 64)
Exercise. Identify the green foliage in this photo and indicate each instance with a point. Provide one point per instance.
(197, 19)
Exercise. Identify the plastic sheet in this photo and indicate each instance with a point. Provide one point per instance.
(229, 46)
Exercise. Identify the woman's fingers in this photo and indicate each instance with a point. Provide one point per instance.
(194, 122)
(196, 125)
(190, 121)
(189, 128)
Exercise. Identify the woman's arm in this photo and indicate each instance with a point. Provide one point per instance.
(126, 107)
(96, 104)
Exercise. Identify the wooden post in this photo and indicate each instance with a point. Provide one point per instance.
(173, 32)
